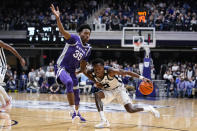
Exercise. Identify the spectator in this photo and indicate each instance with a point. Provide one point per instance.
(32, 86)
(190, 73)
(50, 76)
(44, 87)
(50, 66)
(32, 75)
(194, 24)
(96, 21)
(189, 86)
(115, 25)
(153, 73)
(168, 77)
(181, 86)
(41, 74)
(11, 84)
(83, 83)
(55, 88)
(23, 82)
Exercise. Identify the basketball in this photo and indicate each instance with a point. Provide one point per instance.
(146, 88)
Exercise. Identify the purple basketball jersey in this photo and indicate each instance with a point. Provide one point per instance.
(73, 52)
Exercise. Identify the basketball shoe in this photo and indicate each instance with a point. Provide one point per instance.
(8, 105)
(75, 116)
(152, 110)
(103, 124)
(81, 118)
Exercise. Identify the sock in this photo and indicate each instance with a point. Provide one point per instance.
(146, 108)
(73, 108)
(102, 115)
(77, 111)
(2, 100)
(3, 92)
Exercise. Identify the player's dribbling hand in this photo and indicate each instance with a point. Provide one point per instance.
(55, 12)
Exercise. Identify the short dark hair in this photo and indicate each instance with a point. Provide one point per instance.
(98, 61)
(83, 26)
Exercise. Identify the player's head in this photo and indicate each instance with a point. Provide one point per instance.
(84, 32)
(98, 66)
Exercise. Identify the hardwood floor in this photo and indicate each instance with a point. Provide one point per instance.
(49, 112)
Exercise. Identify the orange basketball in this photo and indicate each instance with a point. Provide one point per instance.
(146, 88)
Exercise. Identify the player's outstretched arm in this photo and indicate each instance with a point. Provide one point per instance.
(123, 73)
(65, 33)
(11, 49)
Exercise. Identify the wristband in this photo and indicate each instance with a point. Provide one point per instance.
(141, 77)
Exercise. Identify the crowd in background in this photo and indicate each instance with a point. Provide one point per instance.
(163, 15)
(19, 16)
(180, 78)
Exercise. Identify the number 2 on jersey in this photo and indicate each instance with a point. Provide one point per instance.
(106, 85)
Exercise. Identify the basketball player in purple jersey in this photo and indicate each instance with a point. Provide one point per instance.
(75, 51)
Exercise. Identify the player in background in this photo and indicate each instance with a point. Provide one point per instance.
(4, 98)
(76, 50)
(112, 88)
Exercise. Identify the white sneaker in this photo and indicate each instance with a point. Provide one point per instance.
(154, 111)
(103, 124)
(9, 104)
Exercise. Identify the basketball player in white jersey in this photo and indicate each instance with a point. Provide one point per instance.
(4, 98)
(112, 88)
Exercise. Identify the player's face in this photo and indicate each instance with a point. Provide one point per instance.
(99, 70)
(85, 35)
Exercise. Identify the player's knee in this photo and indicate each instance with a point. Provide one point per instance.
(129, 108)
(69, 86)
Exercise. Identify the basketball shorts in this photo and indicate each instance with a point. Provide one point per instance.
(120, 94)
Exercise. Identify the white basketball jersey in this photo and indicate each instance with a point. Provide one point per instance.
(3, 65)
(108, 82)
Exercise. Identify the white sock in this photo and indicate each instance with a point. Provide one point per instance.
(73, 108)
(3, 92)
(147, 108)
(77, 111)
(2, 100)
(102, 115)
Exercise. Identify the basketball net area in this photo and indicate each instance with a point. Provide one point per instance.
(138, 43)
(138, 38)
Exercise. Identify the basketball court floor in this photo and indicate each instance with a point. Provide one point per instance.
(49, 112)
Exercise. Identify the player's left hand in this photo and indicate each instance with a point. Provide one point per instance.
(55, 12)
